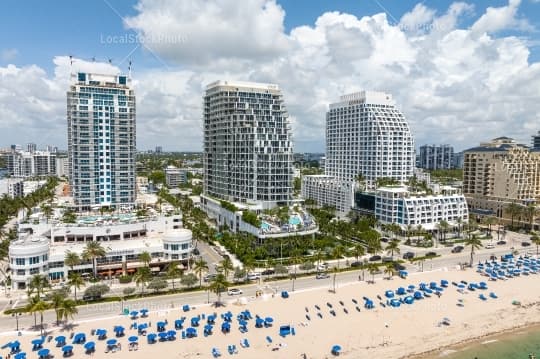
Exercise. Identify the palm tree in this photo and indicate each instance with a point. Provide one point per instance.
(514, 210)
(199, 267)
(40, 306)
(489, 221)
(249, 264)
(68, 309)
(57, 298)
(75, 281)
(338, 252)
(443, 227)
(226, 266)
(358, 251)
(38, 284)
(390, 270)
(475, 243)
(459, 222)
(173, 272)
(219, 285)
(92, 252)
(392, 247)
(146, 258)
(142, 276)
(535, 239)
(530, 213)
(373, 269)
(72, 259)
(47, 211)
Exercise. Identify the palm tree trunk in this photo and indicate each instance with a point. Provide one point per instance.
(472, 254)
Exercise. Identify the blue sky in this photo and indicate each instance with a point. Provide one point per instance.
(474, 77)
(40, 30)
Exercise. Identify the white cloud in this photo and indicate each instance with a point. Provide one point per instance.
(458, 85)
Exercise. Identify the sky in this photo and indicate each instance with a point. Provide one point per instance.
(461, 72)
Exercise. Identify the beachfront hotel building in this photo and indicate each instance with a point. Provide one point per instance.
(101, 140)
(248, 157)
(41, 248)
(398, 205)
(365, 135)
(325, 189)
(498, 173)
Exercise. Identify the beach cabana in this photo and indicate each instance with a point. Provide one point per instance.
(43, 353)
(400, 291)
(141, 328)
(144, 312)
(60, 340)
(67, 350)
(112, 342)
(79, 338)
(244, 343)
(369, 304)
(101, 334)
(389, 294)
(336, 350)
(418, 295)
(408, 300)
(259, 322)
(15, 346)
(195, 321)
(268, 321)
(410, 288)
(151, 338)
(89, 347)
(134, 314)
(21, 355)
(161, 326)
(119, 330)
(284, 294)
(162, 336)
(133, 339)
(37, 344)
(403, 274)
(208, 329)
(179, 323)
(185, 308)
(482, 285)
(444, 283)
(395, 303)
(232, 349)
(171, 335)
(192, 332)
(211, 319)
(284, 330)
(226, 327)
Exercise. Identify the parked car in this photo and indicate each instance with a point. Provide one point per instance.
(209, 277)
(408, 255)
(387, 259)
(253, 276)
(89, 298)
(322, 267)
(457, 249)
(374, 258)
(431, 254)
(525, 244)
(399, 266)
(235, 291)
(322, 275)
(489, 246)
(356, 264)
(268, 272)
(501, 243)
(384, 239)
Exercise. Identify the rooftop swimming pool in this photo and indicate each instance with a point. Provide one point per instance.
(119, 217)
(294, 220)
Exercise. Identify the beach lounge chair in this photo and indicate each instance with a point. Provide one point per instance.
(482, 296)
(284, 294)
(269, 339)
(493, 295)
(336, 350)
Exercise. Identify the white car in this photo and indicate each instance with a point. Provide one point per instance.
(490, 246)
(253, 276)
(322, 276)
(235, 291)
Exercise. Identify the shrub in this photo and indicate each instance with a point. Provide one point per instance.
(125, 279)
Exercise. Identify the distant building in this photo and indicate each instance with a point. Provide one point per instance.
(159, 149)
(12, 187)
(536, 141)
(457, 161)
(24, 164)
(175, 176)
(31, 147)
(398, 205)
(436, 157)
(101, 140)
(62, 167)
(498, 173)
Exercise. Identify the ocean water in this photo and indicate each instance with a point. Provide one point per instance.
(517, 345)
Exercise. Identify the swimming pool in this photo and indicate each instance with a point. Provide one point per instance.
(265, 226)
(294, 220)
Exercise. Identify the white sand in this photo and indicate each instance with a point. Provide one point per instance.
(377, 333)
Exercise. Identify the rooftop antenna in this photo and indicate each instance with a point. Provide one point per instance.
(129, 69)
(110, 61)
(70, 64)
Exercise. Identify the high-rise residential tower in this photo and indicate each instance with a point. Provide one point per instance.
(247, 144)
(101, 140)
(367, 135)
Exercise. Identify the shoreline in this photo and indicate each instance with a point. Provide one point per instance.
(478, 340)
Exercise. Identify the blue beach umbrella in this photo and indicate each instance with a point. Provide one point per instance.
(133, 339)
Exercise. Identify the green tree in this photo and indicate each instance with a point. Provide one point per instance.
(92, 252)
(373, 269)
(514, 210)
(200, 267)
(474, 243)
(393, 247)
(96, 290)
(189, 280)
(145, 258)
(72, 259)
(226, 266)
(157, 284)
(219, 285)
(75, 281)
(57, 298)
(142, 276)
(68, 309)
(38, 283)
(530, 212)
(39, 307)
(390, 270)
(173, 272)
(338, 252)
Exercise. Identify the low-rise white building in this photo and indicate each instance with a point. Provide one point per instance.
(175, 176)
(329, 191)
(41, 248)
(398, 205)
(12, 187)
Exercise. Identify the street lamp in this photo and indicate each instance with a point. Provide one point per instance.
(16, 316)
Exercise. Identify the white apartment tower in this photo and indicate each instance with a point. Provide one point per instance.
(247, 144)
(366, 134)
(101, 140)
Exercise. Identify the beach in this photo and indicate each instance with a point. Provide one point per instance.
(409, 331)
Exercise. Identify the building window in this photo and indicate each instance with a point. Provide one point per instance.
(19, 261)
(34, 271)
